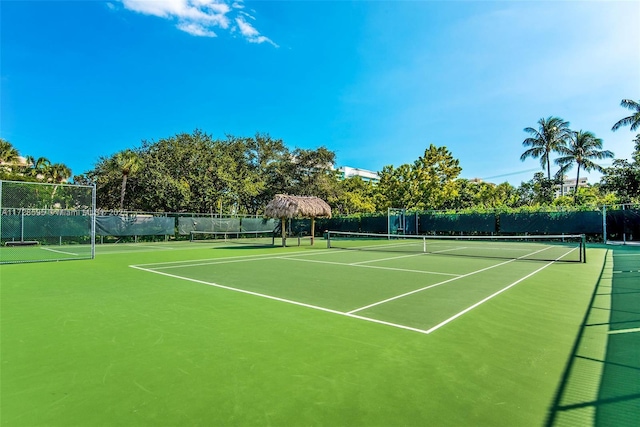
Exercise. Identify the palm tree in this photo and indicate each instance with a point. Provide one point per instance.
(58, 173)
(633, 119)
(38, 168)
(8, 156)
(551, 135)
(127, 163)
(8, 153)
(583, 146)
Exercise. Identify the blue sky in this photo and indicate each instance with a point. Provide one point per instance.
(374, 81)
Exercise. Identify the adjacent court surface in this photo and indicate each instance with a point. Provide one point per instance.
(182, 333)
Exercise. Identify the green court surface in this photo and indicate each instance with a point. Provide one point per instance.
(183, 333)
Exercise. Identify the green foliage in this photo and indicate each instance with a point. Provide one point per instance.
(483, 195)
(14, 168)
(354, 195)
(623, 177)
(192, 172)
(538, 191)
(8, 153)
(428, 183)
(196, 173)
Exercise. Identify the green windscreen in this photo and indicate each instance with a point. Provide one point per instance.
(466, 223)
(583, 222)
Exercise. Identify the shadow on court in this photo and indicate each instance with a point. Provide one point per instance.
(601, 382)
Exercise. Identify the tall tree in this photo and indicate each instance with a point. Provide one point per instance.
(539, 191)
(552, 133)
(261, 159)
(58, 173)
(127, 163)
(38, 168)
(583, 147)
(473, 194)
(394, 188)
(354, 196)
(633, 120)
(428, 183)
(311, 173)
(8, 158)
(433, 178)
(623, 177)
(8, 153)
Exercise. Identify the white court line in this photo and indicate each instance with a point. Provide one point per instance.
(156, 247)
(102, 249)
(442, 283)
(468, 309)
(427, 287)
(315, 307)
(60, 252)
(370, 266)
(623, 331)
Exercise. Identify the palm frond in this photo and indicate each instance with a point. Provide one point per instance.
(633, 120)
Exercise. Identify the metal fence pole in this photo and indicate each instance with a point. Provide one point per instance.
(93, 222)
(22, 225)
(604, 224)
(1, 212)
(624, 226)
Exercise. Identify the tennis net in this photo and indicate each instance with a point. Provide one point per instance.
(569, 248)
(249, 238)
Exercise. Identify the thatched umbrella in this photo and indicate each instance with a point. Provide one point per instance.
(284, 206)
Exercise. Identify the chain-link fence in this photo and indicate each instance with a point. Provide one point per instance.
(46, 222)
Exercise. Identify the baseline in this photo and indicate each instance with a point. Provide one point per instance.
(60, 252)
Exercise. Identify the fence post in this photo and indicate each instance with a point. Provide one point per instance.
(604, 224)
(22, 224)
(624, 226)
(1, 212)
(93, 222)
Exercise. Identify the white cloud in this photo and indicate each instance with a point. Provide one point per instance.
(196, 29)
(250, 33)
(246, 29)
(201, 17)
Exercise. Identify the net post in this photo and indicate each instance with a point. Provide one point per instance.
(328, 239)
(424, 244)
(583, 245)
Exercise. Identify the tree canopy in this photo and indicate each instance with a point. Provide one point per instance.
(194, 172)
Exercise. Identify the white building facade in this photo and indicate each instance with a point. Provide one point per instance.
(366, 175)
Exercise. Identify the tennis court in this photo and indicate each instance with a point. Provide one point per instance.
(391, 282)
(219, 333)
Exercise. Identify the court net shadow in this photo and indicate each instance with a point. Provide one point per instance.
(601, 383)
